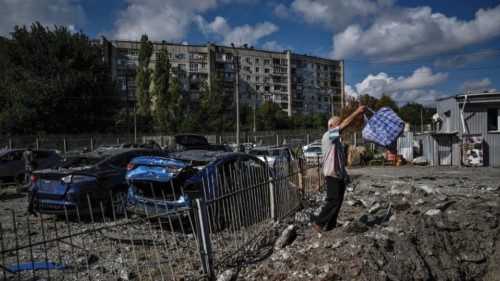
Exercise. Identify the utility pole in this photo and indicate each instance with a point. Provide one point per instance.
(421, 120)
(237, 58)
(254, 123)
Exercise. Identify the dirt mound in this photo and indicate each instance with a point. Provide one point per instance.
(425, 226)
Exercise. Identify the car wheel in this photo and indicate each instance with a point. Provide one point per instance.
(119, 201)
(22, 179)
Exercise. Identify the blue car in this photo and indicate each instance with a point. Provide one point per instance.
(165, 186)
(98, 176)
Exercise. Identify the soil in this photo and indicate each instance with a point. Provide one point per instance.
(398, 223)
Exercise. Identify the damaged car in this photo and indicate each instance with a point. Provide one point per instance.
(83, 184)
(198, 142)
(166, 186)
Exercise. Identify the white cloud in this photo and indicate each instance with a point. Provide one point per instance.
(244, 34)
(402, 33)
(274, 46)
(376, 85)
(159, 19)
(281, 11)
(332, 14)
(476, 85)
(47, 12)
(411, 88)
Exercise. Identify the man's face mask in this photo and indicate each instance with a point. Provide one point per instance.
(334, 134)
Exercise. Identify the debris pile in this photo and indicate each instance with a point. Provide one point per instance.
(397, 223)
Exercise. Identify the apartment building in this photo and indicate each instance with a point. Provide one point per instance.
(299, 84)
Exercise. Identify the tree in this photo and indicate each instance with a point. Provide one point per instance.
(272, 117)
(55, 81)
(143, 81)
(410, 113)
(387, 101)
(161, 94)
(214, 102)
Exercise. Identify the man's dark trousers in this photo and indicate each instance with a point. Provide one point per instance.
(335, 190)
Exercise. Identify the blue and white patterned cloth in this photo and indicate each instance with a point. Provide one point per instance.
(383, 128)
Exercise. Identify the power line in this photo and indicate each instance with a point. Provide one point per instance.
(451, 70)
(484, 54)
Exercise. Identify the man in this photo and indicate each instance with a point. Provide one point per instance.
(334, 171)
(28, 158)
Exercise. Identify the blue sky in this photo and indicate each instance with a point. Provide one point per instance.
(411, 50)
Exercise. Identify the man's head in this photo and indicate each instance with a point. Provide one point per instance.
(333, 122)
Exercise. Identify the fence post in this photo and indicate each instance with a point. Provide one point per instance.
(272, 203)
(64, 146)
(307, 139)
(91, 144)
(301, 181)
(117, 140)
(37, 144)
(10, 144)
(354, 139)
(319, 174)
(203, 233)
(277, 140)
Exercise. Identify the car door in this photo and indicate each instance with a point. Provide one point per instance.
(12, 164)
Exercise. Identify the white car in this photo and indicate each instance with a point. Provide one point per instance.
(316, 142)
(313, 154)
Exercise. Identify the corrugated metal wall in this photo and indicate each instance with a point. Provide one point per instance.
(441, 149)
(428, 149)
(405, 146)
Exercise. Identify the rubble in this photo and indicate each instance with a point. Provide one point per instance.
(420, 161)
(443, 225)
(286, 237)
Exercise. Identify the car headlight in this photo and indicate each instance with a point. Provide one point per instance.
(69, 179)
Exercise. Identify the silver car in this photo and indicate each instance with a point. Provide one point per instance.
(273, 155)
(313, 154)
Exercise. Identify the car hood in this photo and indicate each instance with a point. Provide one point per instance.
(57, 174)
(160, 169)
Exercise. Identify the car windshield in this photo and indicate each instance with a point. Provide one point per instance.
(81, 161)
(314, 149)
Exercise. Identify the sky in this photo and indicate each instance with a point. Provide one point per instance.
(414, 51)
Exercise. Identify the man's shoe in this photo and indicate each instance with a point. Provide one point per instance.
(317, 227)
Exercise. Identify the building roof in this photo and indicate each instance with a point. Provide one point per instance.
(475, 97)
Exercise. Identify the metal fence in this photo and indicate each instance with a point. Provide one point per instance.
(230, 224)
(65, 143)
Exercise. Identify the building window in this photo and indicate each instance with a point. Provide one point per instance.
(133, 52)
(257, 60)
(493, 119)
(257, 79)
(193, 67)
(266, 70)
(266, 62)
(257, 69)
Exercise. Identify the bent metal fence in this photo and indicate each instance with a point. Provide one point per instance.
(231, 224)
